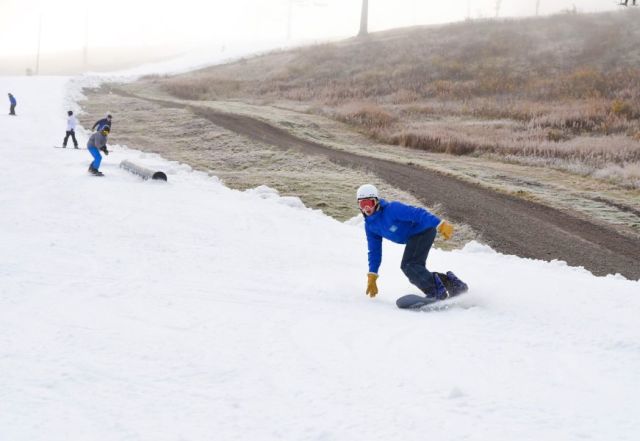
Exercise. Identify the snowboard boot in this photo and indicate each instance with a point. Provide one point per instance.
(440, 291)
(95, 171)
(457, 285)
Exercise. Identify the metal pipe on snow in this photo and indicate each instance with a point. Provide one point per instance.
(144, 173)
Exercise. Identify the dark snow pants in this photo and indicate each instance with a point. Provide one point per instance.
(414, 260)
(12, 109)
(73, 137)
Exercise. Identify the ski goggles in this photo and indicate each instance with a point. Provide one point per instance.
(367, 204)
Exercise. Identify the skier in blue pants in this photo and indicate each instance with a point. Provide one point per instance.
(413, 226)
(98, 142)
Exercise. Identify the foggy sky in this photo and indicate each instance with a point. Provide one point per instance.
(67, 25)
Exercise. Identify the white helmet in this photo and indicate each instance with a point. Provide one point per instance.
(367, 191)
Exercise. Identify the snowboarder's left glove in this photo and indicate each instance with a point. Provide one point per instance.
(104, 150)
(446, 229)
(372, 287)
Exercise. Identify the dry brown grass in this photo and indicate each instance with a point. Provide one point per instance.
(563, 89)
(370, 116)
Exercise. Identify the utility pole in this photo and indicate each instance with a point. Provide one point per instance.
(537, 7)
(498, 7)
(289, 14)
(85, 49)
(39, 38)
(364, 18)
(414, 12)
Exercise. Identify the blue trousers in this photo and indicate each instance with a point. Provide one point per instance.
(414, 260)
(97, 157)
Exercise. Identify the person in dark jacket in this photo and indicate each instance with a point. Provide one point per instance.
(12, 104)
(413, 226)
(101, 123)
(98, 143)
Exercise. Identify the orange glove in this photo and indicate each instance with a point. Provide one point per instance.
(372, 288)
(446, 229)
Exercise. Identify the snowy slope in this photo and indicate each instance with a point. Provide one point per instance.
(135, 310)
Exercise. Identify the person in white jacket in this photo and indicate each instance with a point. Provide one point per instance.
(72, 122)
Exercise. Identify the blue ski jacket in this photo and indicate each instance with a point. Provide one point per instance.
(396, 222)
(12, 100)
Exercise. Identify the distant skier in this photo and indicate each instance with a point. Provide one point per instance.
(12, 104)
(101, 123)
(98, 143)
(626, 2)
(71, 130)
(413, 226)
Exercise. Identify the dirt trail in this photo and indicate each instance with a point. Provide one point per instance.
(508, 224)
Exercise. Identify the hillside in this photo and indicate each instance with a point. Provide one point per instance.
(560, 91)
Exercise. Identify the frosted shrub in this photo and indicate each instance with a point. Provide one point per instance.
(628, 173)
(367, 115)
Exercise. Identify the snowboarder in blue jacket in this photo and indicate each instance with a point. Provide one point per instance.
(413, 226)
(12, 104)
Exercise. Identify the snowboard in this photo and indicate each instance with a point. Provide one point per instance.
(423, 303)
(414, 301)
(70, 148)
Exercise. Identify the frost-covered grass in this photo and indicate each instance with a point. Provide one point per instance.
(539, 179)
(178, 134)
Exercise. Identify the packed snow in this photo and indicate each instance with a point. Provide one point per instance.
(142, 310)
